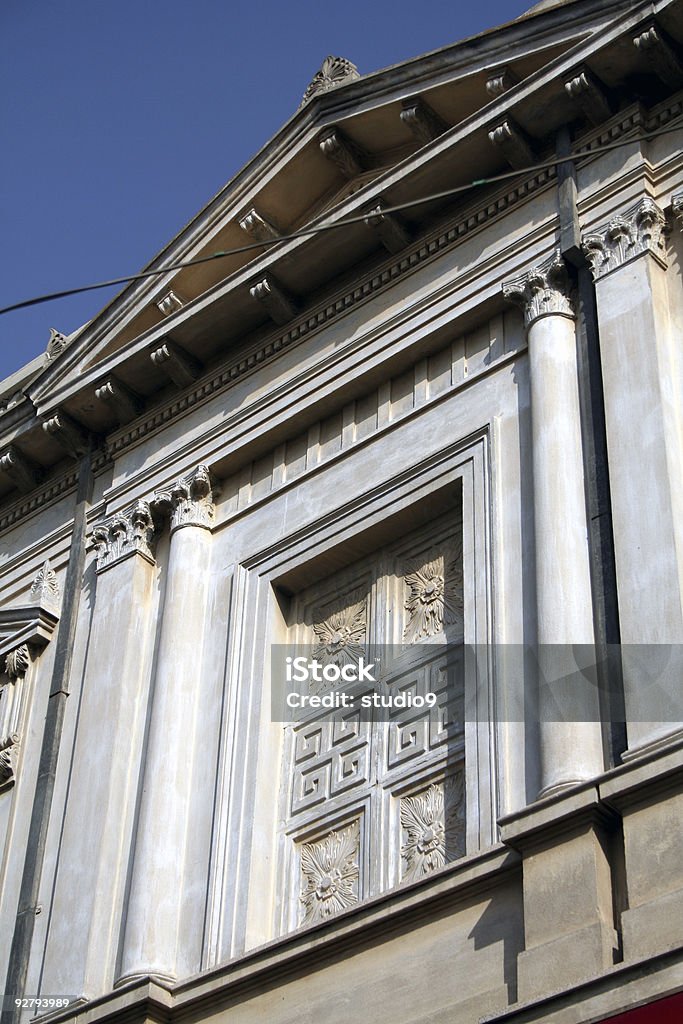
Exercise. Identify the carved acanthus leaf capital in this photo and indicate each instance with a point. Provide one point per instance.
(677, 207)
(128, 533)
(544, 290)
(640, 230)
(189, 500)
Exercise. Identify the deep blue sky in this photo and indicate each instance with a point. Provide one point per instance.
(120, 119)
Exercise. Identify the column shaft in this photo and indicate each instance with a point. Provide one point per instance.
(159, 879)
(570, 736)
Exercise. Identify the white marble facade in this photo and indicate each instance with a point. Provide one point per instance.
(376, 442)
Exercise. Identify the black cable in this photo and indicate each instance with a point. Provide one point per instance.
(315, 229)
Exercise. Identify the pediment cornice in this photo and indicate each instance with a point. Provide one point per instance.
(80, 381)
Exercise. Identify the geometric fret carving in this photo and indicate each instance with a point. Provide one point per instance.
(331, 756)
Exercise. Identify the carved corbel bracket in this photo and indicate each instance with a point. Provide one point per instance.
(279, 305)
(424, 123)
(70, 434)
(390, 229)
(640, 230)
(123, 535)
(661, 54)
(513, 144)
(677, 207)
(178, 365)
(342, 151)
(121, 400)
(258, 227)
(21, 471)
(589, 94)
(500, 81)
(170, 303)
(545, 290)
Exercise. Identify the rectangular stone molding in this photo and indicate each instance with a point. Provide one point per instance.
(568, 917)
(90, 881)
(649, 797)
(643, 419)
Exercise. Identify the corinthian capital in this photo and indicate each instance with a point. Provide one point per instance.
(544, 290)
(189, 500)
(639, 230)
(128, 533)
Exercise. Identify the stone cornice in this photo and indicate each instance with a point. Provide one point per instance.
(544, 290)
(639, 231)
(418, 164)
(249, 360)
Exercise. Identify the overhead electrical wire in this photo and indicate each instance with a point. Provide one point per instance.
(315, 229)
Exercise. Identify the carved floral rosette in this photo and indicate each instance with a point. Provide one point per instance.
(330, 874)
(545, 290)
(642, 229)
(433, 597)
(433, 824)
(340, 635)
(335, 71)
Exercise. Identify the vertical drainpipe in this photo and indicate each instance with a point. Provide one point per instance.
(22, 937)
(596, 468)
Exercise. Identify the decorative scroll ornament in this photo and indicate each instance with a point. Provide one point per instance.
(434, 828)
(190, 500)
(17, 662)
(335, 71)
(45, 586)
(677, 207)
(434, 598)
(544, 290)
(131, 532)
(330, 874)
(341, 636)
(641, 229)
(8, 762)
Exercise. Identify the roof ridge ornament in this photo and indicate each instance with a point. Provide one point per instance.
(334, 71)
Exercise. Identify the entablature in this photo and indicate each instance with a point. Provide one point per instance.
(99, 387)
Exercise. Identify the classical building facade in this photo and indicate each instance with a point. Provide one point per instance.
(428, 404)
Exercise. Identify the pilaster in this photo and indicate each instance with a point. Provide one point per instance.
(90, 882)
(642, 391)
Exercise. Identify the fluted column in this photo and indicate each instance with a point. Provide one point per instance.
(159, 885)
(87, 911)
(570, 737)
(643, 400)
